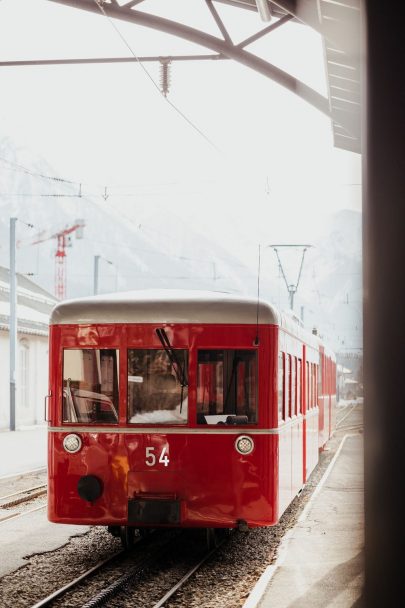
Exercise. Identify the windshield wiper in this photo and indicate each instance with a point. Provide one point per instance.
(179, 369)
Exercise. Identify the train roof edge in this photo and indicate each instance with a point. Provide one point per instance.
(164, 306)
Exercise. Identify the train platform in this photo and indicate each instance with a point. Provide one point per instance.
(319, 563)
(23, 450)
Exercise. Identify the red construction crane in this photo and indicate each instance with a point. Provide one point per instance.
(63, 241)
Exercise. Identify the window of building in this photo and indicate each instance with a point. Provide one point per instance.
(157, 386)
(227, 387)
(90, 386)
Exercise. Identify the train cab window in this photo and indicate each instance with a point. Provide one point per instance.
(90, 386)
(157, 386)
(227, 387)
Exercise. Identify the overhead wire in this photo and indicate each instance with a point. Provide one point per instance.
(105, 190)
(99, 3)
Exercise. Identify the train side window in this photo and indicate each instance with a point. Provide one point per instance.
(308, 388)
(299, 386)
(286, 387)
(227, 387)
(90, 386)
(293, 374)
(280, 385)
(157, 387)
(316, 384)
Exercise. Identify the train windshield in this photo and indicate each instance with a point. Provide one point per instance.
(227, 387)
(90, 386)
(156, 393)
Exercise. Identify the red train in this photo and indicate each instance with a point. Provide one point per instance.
(191, 409)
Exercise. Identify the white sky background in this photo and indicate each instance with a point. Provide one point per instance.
(107, 124)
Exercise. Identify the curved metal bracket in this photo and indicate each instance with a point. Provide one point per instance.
(223, 47)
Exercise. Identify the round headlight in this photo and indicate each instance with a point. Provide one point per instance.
(244, 445)
(72, 443)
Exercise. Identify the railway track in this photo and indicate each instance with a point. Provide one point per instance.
(21, 497)
(137, 569)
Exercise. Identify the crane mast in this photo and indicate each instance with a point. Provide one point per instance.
(63, 241)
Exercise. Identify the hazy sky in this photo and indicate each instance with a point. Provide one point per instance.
(274, 174)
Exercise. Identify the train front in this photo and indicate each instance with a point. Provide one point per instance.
(160, 411)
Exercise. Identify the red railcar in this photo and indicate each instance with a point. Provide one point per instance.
(191, 409)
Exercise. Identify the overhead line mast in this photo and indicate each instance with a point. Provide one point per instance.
(292, 288)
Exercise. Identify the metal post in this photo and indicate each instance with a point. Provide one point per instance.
(96, 263)
(292, 292)
(13, 322)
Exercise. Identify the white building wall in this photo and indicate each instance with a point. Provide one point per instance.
(29, 401)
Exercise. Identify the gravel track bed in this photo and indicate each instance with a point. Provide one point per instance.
(19, 483)
(225, 581)
(167, 568)
(46, 572)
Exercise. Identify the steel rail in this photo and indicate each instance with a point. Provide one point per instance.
(338, 422)
(22, 492)
(185, 578)
(10, 516)
(47, 600)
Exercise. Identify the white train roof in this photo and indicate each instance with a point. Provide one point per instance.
(164, 306)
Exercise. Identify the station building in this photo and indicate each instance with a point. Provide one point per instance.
(34, 305)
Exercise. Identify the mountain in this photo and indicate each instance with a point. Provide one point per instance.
(165, 252)
(155, 245)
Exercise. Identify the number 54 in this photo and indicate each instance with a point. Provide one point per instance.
(150, 457)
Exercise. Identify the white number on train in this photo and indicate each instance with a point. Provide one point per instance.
(163, 458)
(150, 459)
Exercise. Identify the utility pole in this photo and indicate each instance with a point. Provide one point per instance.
(292, 288)
(97, 259)
(96, 264)
(13, 322)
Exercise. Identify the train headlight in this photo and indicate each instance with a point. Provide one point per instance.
(244, 445)
(72, 443)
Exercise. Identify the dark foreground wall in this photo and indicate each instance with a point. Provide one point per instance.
(384, 262)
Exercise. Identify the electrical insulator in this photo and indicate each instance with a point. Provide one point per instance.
(164, 75)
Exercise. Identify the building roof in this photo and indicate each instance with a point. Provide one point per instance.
(34, 304)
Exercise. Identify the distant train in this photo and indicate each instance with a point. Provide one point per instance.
(182, 409)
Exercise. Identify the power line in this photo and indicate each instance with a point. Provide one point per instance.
(17, 166)
(99, 3)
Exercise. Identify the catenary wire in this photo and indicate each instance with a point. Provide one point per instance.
(99, 3)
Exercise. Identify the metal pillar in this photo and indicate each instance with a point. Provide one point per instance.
(96, 265)
(384, 336)
(13, 322)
